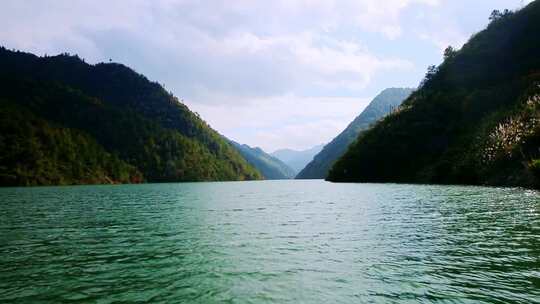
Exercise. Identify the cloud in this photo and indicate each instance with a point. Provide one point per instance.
(283, 121)
(247, 47)
(223, 54)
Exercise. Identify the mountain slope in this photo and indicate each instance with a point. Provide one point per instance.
(269, 166)
(475, 119)
(125, 113)
(35, 152)
(381, 105)
(296, 159)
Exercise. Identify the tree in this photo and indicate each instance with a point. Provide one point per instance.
(449, 52)
(498, 15)
(495, 15)
(431, 71)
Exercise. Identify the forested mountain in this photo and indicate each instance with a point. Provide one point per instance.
(382, 104)
(297, 160)
(35, 152)
(134, 123)
(475, 118)
(269, 166)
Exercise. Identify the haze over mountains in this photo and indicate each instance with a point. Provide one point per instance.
(295, 159)
(382, 104)
(104, 123)
(269, 166)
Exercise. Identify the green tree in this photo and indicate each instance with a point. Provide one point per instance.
(449, 52)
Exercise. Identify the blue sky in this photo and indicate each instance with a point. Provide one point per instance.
(274, 74)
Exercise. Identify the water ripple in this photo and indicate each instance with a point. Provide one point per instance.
(269, 242)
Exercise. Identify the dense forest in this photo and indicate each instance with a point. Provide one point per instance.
(68, 122)
(269, 166)
(388, 100)
(475, 118)
(35, 152)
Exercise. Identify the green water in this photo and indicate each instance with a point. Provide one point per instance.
(269, 242)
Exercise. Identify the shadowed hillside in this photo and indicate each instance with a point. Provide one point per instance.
(475, 118)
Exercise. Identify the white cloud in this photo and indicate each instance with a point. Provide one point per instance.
(263, 55)
(281, 38)
(282, 121)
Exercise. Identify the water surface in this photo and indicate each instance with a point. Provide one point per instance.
(269, 242)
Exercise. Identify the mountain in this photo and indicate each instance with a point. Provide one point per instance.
(297, 159)
(382, 104)
(132, 123)
(475, 118)
(269, 166)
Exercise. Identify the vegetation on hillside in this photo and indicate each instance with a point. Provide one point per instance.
(387, 101)
(131, 118)
(269, 166)
(35, 152)
(473, 120)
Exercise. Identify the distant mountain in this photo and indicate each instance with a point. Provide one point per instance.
(297, 159)
(475, 118)
(135, 128)
(269, 166)
(381, 105)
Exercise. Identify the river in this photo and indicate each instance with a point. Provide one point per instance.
(269, 242)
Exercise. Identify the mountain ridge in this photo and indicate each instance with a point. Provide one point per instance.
(297, 159)
(386, 101)
(269, 166)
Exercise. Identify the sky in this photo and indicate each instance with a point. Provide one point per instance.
(273, 74)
